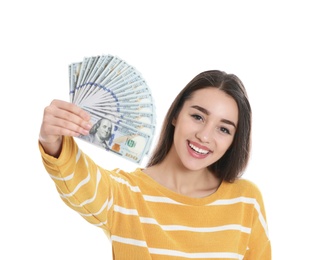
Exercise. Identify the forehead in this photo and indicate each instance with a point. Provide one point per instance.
(216, 102)
(105, 122)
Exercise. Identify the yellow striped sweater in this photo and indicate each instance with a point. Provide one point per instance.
(148, 221)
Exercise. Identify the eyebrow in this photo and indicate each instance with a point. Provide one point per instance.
(207, 112)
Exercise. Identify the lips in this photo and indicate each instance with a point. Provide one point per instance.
(198, 150)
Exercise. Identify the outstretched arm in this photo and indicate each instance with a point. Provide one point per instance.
(62, 118)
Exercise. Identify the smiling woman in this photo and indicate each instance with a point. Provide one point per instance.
(190, 201)
(207, 121)
(230, 87)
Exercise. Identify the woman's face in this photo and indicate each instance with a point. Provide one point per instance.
(205, 128)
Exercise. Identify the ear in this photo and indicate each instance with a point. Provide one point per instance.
(174, 121)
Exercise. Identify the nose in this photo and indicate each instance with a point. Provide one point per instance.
(204, 134)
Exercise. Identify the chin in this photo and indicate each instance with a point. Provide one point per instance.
(194, 166)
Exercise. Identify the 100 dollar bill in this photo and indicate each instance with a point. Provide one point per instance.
(125, 141)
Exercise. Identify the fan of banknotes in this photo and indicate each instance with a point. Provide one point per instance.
(120, 103)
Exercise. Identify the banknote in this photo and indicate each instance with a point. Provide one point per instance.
(74, 70)
(120, 103)
(135, 122)
(99, 67)
(125, 141)
(114, 67)
(98, 91)
(123, 108)
(139, 117)
(141, 97)
(90, 64)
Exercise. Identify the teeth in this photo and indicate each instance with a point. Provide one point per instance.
(196, 149)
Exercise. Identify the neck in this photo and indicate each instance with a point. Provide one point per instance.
(190, 183)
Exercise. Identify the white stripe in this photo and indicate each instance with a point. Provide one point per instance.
(106, 221)
(160, 251)
(125, 211)
(129, 241)
(122, 181)
(262, 219)
(205, 255)
(67, 178)
(78, 155)
(98, 178)
(195, 229)
(159, 199)
(80, 184)
(233, 201)
(98, 212)
(110, 202)
(248, 201)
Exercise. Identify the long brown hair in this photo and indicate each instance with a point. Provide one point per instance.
(232, 164)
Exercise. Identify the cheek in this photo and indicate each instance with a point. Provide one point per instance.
(180, 127)
(224, 143)
(228, 145)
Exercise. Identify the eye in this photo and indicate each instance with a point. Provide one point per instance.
(225, 130)
(197, 117)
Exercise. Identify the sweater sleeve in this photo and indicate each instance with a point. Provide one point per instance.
(259, 246)
(81, 184)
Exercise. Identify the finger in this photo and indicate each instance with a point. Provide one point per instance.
(71, 108)
(58, 121)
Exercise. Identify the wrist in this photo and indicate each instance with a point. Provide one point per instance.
(52, 147)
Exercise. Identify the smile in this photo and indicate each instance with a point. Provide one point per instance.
(198, 150)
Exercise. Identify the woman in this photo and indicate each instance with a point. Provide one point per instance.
(190, 201)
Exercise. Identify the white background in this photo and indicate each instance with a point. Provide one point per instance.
(274, 47)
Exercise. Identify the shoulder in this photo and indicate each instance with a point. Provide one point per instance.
(244, 187)
(246, 184)
(124, 177)
(135, 178)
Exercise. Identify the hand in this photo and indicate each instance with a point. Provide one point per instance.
(62, 118)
